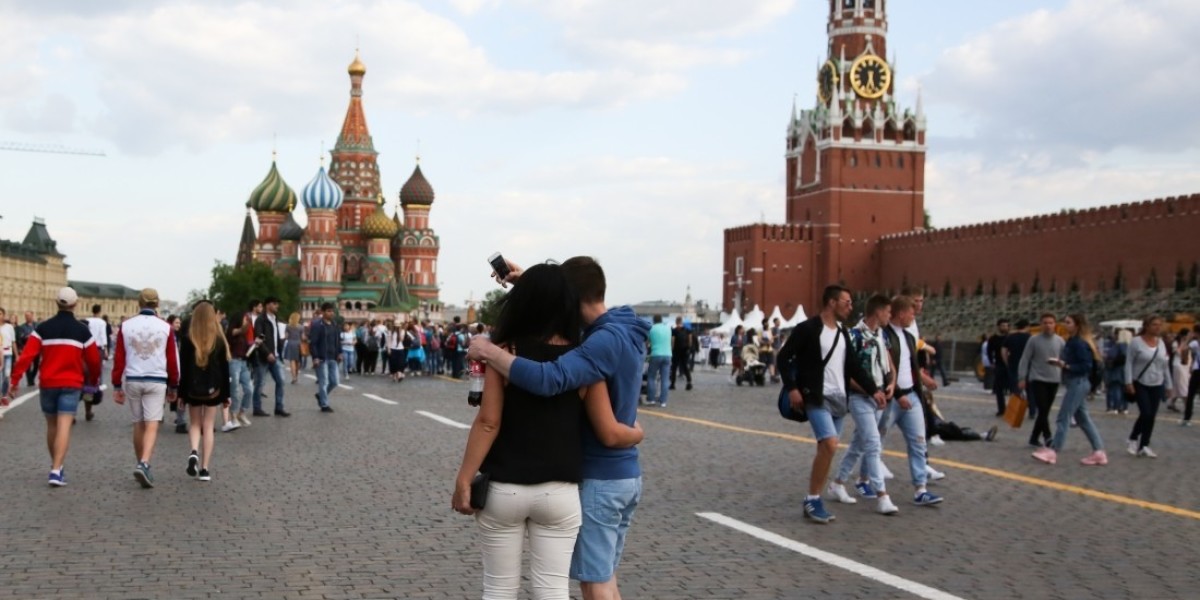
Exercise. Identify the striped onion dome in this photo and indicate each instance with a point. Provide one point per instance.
(273, 194)
(379, 225)
(416, 190)
(322, 192)
(291, 230)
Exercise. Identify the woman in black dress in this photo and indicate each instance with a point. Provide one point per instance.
(204, 382)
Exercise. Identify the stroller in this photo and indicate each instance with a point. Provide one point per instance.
(754, 371)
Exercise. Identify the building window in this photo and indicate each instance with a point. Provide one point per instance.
(740, 266)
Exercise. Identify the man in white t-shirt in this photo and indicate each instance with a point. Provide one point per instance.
(8, 345)
(815, 364)
(99, 328)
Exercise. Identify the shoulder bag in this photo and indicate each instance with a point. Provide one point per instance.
(785, 402)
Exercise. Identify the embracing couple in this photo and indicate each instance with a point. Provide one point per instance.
(556, 433)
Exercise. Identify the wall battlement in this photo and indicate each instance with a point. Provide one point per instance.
(1160, 208)
(790, 232)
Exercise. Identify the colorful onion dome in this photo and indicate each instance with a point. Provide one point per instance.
(357, 67)
(322, 193)
(379, 225)
(273, 194)
(290, 230)
(416, 190)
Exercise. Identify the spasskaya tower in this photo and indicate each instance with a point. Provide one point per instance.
(855, 166)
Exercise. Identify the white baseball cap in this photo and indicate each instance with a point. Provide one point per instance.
(67, 297)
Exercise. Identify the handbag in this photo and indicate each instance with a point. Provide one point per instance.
(1132, 398)
(1014, 412)
(479, 490)
(800, 415)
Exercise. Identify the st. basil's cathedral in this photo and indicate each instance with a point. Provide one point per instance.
(351, 251)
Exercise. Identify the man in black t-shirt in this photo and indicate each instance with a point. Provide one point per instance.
(681, 349)
(1001, 382)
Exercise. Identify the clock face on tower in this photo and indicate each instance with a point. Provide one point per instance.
(827, 81)
(870, 76)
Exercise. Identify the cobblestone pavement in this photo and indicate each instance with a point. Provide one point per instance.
(356, 504)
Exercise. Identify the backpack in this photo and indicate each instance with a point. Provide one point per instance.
(371, 342)
(435, 342)
(409, 340)
(452, 341)
(462, 342)
(204, 384)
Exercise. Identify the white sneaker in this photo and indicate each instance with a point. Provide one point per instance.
(243, 419)
(1132, 448)
(936, 441)
(229, 426)
(934, 474)
(887, 473)
(838, 491)
(1147, 452)
(885, 506)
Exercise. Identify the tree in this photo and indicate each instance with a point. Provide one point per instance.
(1180, 281)
(232, 288)
(979, 288)
(1014, 290)
(1194, 278)
(489, 309)
(1036, 287)
(947, 291)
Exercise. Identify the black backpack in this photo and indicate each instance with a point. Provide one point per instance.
(205, 383)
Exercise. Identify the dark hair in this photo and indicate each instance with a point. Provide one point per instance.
(95, 309)
(542, 304)
(586, 277)
(1147, 321)
(902, 303)
(250, 305)
(270, 299)
(326, 306)
(657, 319)
(171, 319)
(1184, 331)
(1022, 323)
(1048, 316)
(875, 303)
(1001, 321)
(832, 293)
(235, 321)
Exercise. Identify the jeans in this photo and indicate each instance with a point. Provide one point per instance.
(6, 374)
(608, 506)
(327, 380)
(59, 401)
(1114, 394)
(656, 391)
(824, 424)
(1074, 404)
(865, 444)
(348, 358)
(1148, 399)
(276, 371)
(550, 514)
(681, 364)
(1043, 396)
(457, 364)
(912, 424)
(239, 374)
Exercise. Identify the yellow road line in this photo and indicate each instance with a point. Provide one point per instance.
(1054, 485)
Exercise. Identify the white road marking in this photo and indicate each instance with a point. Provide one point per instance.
(341, 385)
(310, 376)
(443, 420)
(383, 400)
(912, 587)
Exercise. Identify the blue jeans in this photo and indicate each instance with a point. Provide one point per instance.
(608, 506)
(660, 368)
(912, 424)
(260, 371)
(348, 358)
(865, 444)
(1114, 394)
(6, 374)
(239, 375)
(1074, 404)
(60, 401)
(327, 380)
(824, 424)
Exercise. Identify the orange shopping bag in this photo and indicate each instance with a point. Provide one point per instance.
(1014, 413)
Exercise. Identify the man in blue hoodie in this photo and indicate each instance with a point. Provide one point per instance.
(613, 350)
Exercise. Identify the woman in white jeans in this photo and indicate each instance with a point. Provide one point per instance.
(534, 459)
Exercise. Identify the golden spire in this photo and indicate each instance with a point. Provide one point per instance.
(357, 67)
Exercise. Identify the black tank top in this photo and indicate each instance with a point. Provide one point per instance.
(539, 439)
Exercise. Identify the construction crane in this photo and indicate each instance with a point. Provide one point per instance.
(49, 149)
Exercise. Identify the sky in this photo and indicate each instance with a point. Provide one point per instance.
(632, 131)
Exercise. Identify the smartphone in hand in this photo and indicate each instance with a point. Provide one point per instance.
(500, 266)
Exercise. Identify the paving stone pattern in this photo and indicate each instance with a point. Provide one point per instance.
(356, 504)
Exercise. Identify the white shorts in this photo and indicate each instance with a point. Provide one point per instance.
(145, 399)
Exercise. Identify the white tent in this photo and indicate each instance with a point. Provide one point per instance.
(729, 325)
(797, 318)
(754, 318)
(776, 314)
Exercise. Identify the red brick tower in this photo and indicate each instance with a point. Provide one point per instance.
(355, 170)
(418, 246)
(855, 172)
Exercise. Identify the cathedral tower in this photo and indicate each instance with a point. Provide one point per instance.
(321, 269)
(270, 200)
(418, 246)
(356, 172)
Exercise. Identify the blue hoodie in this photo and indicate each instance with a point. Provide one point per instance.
(613, 350)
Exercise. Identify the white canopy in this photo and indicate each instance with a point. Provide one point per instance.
(797, 318)
(728, 326)
(754, 318)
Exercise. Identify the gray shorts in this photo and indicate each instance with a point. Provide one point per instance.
(145, 399)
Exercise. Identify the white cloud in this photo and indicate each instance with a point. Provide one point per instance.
(1097, 75)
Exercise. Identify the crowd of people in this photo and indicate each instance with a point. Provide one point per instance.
(1146, 368)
